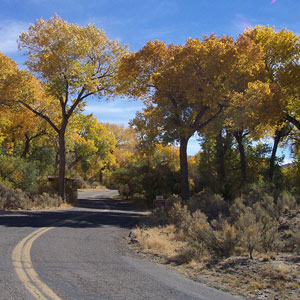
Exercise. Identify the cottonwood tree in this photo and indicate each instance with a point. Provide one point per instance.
(274, 100)
(282, 57)
(92, 147)
(126, 142)
(19, 126)
(184, 88)
(73, 62)
(248, 67)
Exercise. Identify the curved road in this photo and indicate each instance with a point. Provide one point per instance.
(81, 253)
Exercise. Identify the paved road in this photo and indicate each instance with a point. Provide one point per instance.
(83, 256)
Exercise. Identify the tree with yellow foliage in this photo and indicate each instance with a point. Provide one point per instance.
(185, 87)
(93, 147)
(182, 88)
(274, 101)
(248, 68)
(126, 142)
(73, 63)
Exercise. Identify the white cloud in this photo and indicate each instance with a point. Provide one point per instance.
(110, 109)
(9, 34)
(242, 22)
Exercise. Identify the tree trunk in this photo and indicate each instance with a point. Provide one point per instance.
(184, 174)
(220, 153)
(62, 163)
(239, 138)
(27, 146)
(101, 174)
(273, 156)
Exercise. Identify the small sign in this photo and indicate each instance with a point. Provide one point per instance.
(159, 202)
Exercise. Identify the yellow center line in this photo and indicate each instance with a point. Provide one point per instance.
(23, 265)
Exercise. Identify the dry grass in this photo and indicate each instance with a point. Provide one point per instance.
(160, 241)
(63, 206)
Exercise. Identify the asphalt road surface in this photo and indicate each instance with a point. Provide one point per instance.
(81, 254)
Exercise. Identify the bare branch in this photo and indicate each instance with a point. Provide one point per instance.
(39, 114)
(200, 126)
(293, 121)
(199, 116)
(80, 98)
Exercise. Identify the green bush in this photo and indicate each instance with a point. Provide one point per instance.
(145, 178)
(19, 172)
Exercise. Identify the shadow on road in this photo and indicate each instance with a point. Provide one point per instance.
(105, 203)
(116, 213)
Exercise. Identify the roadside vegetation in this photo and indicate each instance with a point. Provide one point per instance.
(232, 210)
(250, 247)
(15, 199)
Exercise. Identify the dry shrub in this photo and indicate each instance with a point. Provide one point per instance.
(237, 208)
(158, 217)
(211, 204)
(172, 213)
(45, 201)
(171, 201)
(80, 182)
(296, 240)
(249, 233)
(220, 242)
(17, 199)
(167, 214)
(257, 226)
(270, 237)
(267, 216)
(286, 202)
(180, 216)
(13, 199)
(278, 272)
(266, 206)
(248, 228)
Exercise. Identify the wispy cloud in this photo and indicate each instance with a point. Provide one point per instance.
(9, 33)
(273, 2)
(101, 109)
(117, 111)
(242, 22)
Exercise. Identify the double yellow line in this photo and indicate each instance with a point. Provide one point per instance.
(23, 265)
(25, 271)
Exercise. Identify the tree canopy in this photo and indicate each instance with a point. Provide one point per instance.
(73, 62)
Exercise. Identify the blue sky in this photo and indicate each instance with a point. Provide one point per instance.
(134, 22)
